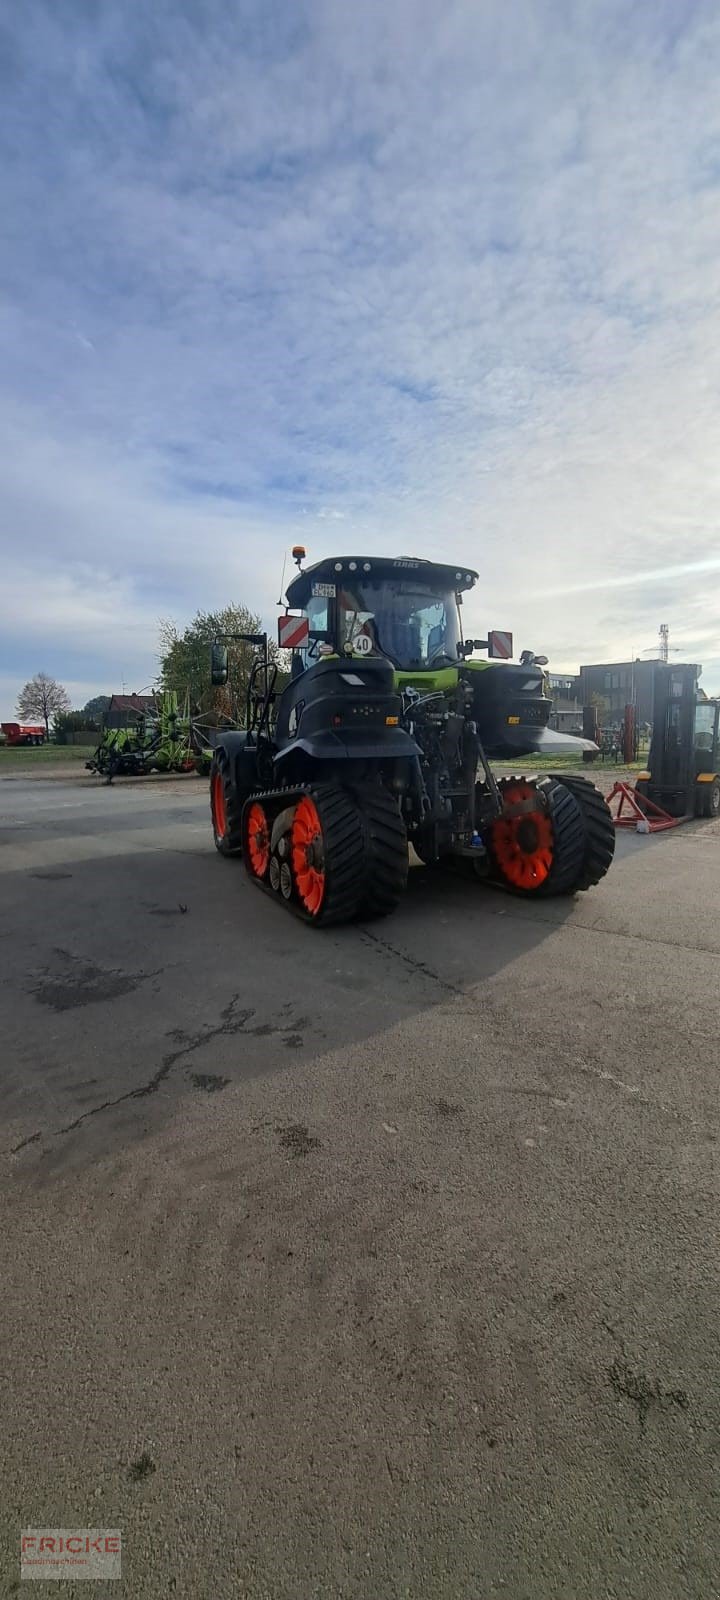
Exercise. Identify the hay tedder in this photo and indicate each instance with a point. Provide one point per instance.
(383, 737)
(163, 739)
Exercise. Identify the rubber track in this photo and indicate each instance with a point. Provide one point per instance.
(386, 846)
(599, 830)
(231, 844)
(343, 846)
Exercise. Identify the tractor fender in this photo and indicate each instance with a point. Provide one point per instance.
(387, 744)
(243, 758)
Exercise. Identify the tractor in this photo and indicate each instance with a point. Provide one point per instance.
(383, 737)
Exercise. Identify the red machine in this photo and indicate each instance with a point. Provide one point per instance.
(23, 733)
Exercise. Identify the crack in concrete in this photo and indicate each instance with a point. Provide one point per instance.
(414, 963)
(232, 1021)
(31, 1139)
(641, 1391)
(644, 1392)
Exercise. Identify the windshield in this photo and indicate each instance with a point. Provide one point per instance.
(412, 625)
(704, 726)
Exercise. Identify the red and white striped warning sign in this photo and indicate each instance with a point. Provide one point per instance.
(500, 645)
(293, 632)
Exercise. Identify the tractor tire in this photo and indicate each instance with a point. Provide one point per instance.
(386, 852)
(329, 893)
(552, 864)
(225, 806)
(599, 830)
(712, 798)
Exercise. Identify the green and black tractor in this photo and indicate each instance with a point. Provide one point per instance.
(383, 737)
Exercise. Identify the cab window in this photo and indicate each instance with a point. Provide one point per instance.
(704, 726)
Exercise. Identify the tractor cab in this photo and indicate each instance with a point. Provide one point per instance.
(405, 610)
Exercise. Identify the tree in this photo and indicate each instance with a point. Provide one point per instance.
(42, 696)
(185, 659)
(96, 708)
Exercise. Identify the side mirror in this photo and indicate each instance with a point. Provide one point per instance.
(218, 665)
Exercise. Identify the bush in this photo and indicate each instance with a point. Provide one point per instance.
(68, 722)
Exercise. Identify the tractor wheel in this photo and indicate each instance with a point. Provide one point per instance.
(328, 854)
(386, 852)
(712, 798)
(599, 830)
(538, 852)
(225, 806)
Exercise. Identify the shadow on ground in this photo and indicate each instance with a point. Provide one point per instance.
(136, 979)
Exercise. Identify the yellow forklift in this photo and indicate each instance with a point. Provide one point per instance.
(683, 774)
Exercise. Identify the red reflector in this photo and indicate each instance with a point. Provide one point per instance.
(337, 722)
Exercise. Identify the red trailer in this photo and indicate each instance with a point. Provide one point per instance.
(23, 733)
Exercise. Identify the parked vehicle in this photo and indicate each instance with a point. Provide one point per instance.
(23, 733)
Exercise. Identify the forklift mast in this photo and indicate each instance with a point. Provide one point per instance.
(672, 760)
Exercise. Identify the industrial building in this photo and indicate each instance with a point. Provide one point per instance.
(614, 685)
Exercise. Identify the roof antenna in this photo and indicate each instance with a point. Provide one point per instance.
(282, 580)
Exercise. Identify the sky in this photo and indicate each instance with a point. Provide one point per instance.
(399, 278)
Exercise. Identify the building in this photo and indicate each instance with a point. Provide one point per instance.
(613, 685)
(125, 709)
(566, 714)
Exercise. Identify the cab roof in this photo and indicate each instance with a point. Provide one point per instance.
(336, 568)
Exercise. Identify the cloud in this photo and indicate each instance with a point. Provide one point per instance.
(444, 275)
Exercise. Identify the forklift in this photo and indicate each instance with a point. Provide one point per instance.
(683, 775)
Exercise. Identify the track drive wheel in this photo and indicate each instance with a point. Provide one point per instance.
(327, 854)
(256, 839)
(599, 829)
(386, 851)
(538, 852)
(225, 806)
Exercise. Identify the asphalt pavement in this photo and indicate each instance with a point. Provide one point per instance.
(374, 1262)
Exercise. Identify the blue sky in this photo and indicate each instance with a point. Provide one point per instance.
(399, 277)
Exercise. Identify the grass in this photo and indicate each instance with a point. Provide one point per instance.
(42, 755)
(566, 764)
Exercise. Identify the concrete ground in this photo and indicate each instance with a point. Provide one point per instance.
(371, 1263)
